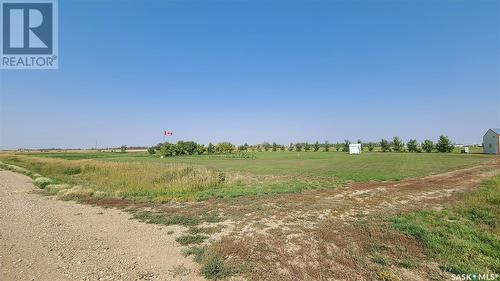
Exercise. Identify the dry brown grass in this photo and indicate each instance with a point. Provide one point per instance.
(151, 181)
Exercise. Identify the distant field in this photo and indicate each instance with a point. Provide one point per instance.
(139, 175)
(364, 167)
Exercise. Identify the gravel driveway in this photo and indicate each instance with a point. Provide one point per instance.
(42, 238)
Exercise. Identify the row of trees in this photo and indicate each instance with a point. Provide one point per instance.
(396, 144)
(190, 148)
(443, 145)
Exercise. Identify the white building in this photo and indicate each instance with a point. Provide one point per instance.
(355, 148)
(491, 141)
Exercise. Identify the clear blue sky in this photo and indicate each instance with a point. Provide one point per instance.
(253, 71)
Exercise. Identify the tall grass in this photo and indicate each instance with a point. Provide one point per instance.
(145, 180)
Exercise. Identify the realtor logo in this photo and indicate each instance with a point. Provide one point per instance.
(29, 34)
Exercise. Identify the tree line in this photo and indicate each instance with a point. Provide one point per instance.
(396, 144)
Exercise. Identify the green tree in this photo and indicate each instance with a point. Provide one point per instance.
(152, 150)
(346, 145)
(444, 144)
(290, 148)
(167, 149)
(266, 146)
(200, 149)
(371, 146)
(224, 147)
(123, 148)
(298, 147)
(427, 145)
(245, 147)
(210, 148)
(307, 146)
(186, 148)
(412, 145)
(397, 144)
(338, 146)
(282, 147)
(275, 146)
(384, 145)
(316, 146)
(327, 146)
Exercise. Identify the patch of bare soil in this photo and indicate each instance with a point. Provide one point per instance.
(42, 238)
(339, 234)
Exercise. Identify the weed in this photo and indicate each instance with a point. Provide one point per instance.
(407, 263)
(380, 260)
(160, 218)
(215, 268)
(195, 251)
(72, 171)
(191, 239)
(212, 217)
(179, 271)
(42, 182)
(386, 275)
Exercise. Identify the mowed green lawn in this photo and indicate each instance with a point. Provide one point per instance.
(364, 167)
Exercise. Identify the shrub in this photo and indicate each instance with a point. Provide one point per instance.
(298, 147)
(327, 146)
(123, 148)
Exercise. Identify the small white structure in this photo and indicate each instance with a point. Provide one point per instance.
(491, 141)
(355, 148)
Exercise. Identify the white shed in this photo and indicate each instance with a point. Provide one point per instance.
(491, 141)
(354, 148)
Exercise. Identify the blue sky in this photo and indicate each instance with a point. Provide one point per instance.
(253, 71)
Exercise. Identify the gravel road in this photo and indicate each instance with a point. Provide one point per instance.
(42, 238)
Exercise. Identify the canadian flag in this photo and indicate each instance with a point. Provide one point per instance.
(167, 133)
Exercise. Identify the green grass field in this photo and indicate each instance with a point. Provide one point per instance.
(139, 175)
